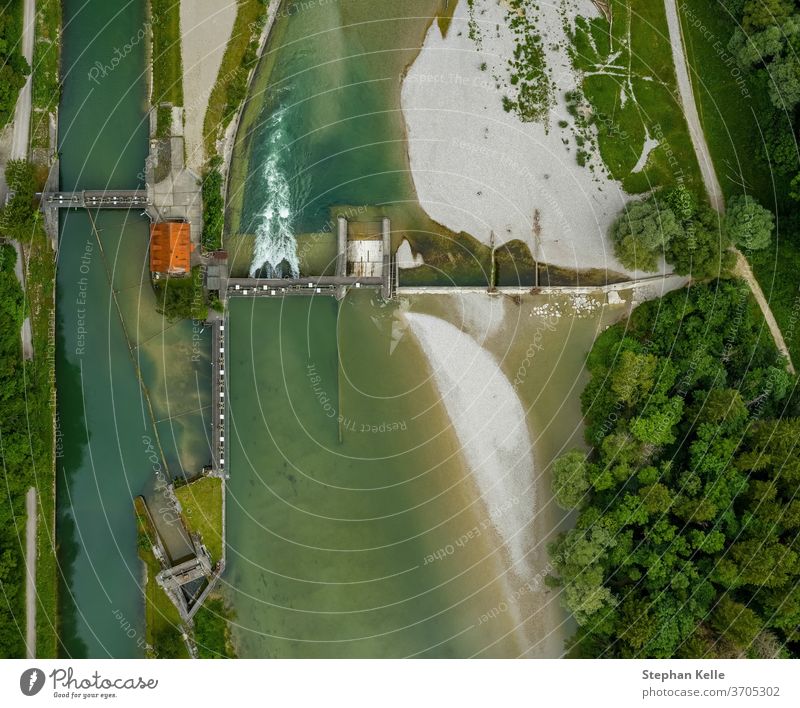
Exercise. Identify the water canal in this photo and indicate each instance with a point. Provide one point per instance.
(108, 332)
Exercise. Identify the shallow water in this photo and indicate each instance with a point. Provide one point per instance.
(381, 545)
(375, 546)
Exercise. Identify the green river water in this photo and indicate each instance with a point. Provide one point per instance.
(323, 134)
(108, 442)
(327, 541)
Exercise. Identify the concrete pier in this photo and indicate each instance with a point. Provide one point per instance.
(386, 233)
(218, 398)
(341, 249)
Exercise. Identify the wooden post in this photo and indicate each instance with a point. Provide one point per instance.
(493, 275)
(535, 232)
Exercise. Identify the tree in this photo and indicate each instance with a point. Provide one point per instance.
(749, 224)
(168, 644)
(776, 49)
(682, 203)
(13, 66)
(779, 148)
(642, 234)
(570, 479)
(17, 217)
(761, 14)
(685, 542)
(213, 207)
(700, 249)
(736, 622)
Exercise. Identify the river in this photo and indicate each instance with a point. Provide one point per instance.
(355, 527)
(107, 332)
(323, 133)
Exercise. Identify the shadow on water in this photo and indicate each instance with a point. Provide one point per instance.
(74, 436)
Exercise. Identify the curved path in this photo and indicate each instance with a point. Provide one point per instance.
(22, 111)
(19, 151)
(30, 579)
(710, 180)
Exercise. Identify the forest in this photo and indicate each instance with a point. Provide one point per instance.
(13, 67)
(25, 438)
(687, 538)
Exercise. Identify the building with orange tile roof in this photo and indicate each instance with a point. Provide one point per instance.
(170, 248)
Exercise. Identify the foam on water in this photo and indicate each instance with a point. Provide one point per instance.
(275, 242)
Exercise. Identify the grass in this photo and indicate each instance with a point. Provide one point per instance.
(166, 57)
(729, 106)
(45, 91)
(45, 88)
(163, 626)
(201, 502)
(241, 56)
(181, 298)
(212, 632)
(163, 122)
(40, 279)
(633, 96)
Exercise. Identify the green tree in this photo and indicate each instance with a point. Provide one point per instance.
(13, 67)
(736, 622)
(18, 216)
(570, 479)
(761, 14)
(682, 203)
(686, 537)
(794, 188)
(642, 234)
(700, 248)
(213, 207)
(749, 224)
(168, 644)
(776, 49)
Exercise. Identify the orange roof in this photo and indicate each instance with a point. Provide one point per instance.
(170, 247)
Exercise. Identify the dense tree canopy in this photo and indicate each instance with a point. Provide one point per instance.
(642, 234)
(686, 543)
(749, 224)
(13, 67)
(213, 207)
(25, 437)
(771, 42)
(692, 238)
(758, 15)
(18, 216)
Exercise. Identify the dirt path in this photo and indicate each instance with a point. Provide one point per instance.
(30, 584)
(25, 333)
(22, 112)
(710, 180)
(206, 27)
(744, 271)
(690, 108)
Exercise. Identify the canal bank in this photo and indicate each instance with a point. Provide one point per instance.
(133, 388)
